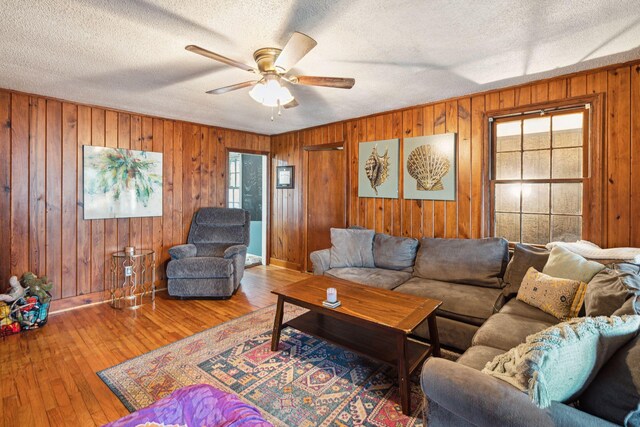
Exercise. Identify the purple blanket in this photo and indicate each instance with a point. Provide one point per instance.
(196, 406)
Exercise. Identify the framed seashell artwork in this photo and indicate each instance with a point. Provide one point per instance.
(378, 167)
(429, 167)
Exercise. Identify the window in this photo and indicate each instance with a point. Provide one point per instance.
(538, 176)
(235, 180)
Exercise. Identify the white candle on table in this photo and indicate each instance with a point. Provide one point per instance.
(332, 295)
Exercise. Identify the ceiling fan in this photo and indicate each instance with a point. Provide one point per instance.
(272, 67)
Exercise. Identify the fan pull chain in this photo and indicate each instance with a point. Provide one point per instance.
(271, 113)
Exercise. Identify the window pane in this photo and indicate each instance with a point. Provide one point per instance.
(536, 164)
(566, 199)
(567, 130)
(566, 228)
(508, 136)
(535, 198)
(508, 197)
(535, 229)
(508, 165)
(508, 226)
(536, 133)
(567, 163)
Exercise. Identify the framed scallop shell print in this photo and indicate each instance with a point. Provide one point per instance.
(378, 165)
(429, 167)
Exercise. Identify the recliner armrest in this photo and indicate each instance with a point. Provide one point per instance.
(183, 251)
(235, 250)
(483, 400)
(321, 261)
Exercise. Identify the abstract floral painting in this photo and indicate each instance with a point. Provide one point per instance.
(121, 183)
(430, 167)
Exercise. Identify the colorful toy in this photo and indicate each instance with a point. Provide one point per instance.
(8, 325)
(16, 292)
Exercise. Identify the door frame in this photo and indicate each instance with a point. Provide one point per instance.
(335, 146)
(267, 256)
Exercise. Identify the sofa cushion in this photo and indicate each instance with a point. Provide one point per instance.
(451, 333)
(395, 253)
(478, 356)
(561, 298)
(199, 268)
(565, 264)
(524, 257)
(631, 306)
(465, 303)
(351, 248)
(376, 277)
(479, 262)
(559, 363)
(522, 309)
(593, 252)
(505, 331)
(610, 288)
(615, 392)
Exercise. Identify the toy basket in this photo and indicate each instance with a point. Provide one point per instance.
(30, 312)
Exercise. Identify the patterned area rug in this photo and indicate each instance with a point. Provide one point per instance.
(308, 382)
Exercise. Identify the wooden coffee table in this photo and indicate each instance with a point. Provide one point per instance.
(375, 322)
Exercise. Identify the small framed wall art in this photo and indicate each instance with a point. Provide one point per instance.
(285, 177)
(430, 167)
(378, 165)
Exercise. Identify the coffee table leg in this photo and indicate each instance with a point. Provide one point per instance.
(277, 324)
(403, 375)
(433, 335)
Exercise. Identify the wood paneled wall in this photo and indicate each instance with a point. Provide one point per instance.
(287, 205)
(41, 211)
(466, 216)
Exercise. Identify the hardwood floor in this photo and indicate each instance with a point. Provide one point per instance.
(48, 376)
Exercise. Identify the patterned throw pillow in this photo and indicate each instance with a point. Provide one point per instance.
(561, 298)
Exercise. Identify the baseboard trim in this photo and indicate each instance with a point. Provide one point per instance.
(86, 300)
(285, 264)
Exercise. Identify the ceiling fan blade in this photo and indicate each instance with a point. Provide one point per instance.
(296, 48)
(236, 86)
(215, 56)
(337, 82)
(291, 104)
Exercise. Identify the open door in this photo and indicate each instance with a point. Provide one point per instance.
(326, 200)
(247, 188)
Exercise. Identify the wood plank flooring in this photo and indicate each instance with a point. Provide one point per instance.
(48, 376)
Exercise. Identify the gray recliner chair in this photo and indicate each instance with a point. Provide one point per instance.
(211, 264)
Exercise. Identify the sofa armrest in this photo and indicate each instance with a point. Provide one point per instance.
(483, 400)
(235, 250)
(183, 251)
(321, 261)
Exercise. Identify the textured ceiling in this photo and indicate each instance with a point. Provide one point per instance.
(129, 54)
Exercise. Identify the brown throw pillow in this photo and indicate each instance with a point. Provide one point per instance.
(524, 257)
(561, 298)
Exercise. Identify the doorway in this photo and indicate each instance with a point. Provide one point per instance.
(248, 190)
(326, 205)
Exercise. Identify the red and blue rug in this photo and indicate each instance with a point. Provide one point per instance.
(308, 382)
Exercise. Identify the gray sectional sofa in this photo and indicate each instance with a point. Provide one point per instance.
(481, 315)
(459, 394)
(465, 274)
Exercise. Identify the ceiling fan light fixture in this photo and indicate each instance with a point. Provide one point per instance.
(271, 93)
